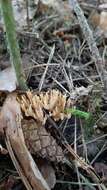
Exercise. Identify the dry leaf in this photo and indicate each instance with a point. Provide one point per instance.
(101, 168)
(3, 150)
(103, 21)
(19, 8)
(48, 172)
(99, 20)
(8, 80)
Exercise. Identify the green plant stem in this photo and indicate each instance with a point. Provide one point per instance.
(9, 22)
(79, 113)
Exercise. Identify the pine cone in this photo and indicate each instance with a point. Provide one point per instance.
(40, 142)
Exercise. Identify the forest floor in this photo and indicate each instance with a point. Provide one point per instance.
(55, 55)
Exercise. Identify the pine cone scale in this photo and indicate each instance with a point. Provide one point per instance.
(40, 142)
